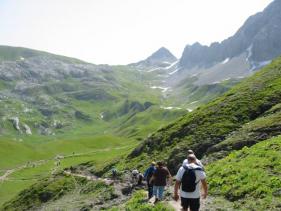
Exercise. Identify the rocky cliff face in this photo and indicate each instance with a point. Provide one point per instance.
(259, 38)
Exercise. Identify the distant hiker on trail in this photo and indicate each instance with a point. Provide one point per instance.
(188, 178)
(198, 162)
(114, 173)
(147, 175)
(137, 177)
(159, 179)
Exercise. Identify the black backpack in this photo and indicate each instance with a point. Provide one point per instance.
(188, 181)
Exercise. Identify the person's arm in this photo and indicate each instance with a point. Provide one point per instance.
(176, 190)
(205, 188)
(170, 179)
(146, 173)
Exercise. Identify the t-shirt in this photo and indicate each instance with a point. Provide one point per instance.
(198, 162)
(200, 175)
(160, 176)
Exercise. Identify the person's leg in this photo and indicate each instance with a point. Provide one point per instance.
(184, 203)
(161, 192)
(155, 191)
(150, 191)
(194, 204)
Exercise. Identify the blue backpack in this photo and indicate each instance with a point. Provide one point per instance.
(188, 181)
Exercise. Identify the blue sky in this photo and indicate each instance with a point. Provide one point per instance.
(120, 31)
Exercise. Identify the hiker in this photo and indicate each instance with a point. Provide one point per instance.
(140, 179)
(136, 177)
(159, 179)
(188, 179)
(114, 173)
(198, 162)
(147, 175)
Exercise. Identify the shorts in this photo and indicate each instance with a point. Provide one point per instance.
(192, 204)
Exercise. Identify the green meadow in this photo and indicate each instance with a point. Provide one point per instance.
(36, 159)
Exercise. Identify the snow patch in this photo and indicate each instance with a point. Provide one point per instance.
(173, 64)
(249, 51)
(170, 108)
(176, 70)
(164, 89)
(193, 102)
(189, 110)
(258, 65)
(225, 61)
(165, 62)
(154, 69)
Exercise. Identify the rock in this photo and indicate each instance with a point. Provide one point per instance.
(15, 121)
(27, 129)
(82, 116)
(126, 190)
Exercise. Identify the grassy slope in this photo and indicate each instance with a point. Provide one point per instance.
(265, 127)
(98, 150)
(68, 188)
(211, 124)
(250, 177)
(8, 53)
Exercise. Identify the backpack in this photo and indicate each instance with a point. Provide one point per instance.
(188, 181)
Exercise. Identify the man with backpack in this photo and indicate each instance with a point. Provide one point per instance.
(147, 175)
(187, 180)
(198, 162)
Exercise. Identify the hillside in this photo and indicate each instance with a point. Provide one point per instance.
(250, 178)
(247, 114)
(54, 106)
(213, 123)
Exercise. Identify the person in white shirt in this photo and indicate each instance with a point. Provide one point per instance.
(190, 196)
(198, 162)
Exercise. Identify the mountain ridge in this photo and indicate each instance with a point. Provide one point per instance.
(260, 34)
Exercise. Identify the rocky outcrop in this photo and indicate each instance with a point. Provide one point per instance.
(27, 129)
(16, 123)
(259, 37)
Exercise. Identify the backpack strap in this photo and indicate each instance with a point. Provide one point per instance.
(196, 169)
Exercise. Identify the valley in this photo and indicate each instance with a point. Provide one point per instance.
(66, 123)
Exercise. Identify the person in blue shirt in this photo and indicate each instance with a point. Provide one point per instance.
(147, 175)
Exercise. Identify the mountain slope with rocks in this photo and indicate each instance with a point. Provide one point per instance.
(252, 47)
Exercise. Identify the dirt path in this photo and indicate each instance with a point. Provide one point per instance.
(11, 171)
(40, 162)
(203, 204)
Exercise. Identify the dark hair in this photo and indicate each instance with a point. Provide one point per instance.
(160, 163)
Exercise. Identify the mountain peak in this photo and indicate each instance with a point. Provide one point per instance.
(162, 54)
(160, 58)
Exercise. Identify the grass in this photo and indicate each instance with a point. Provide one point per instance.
(99, 150)
(250, 177)
(262, 128)
(138, 203)
(212, 123)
